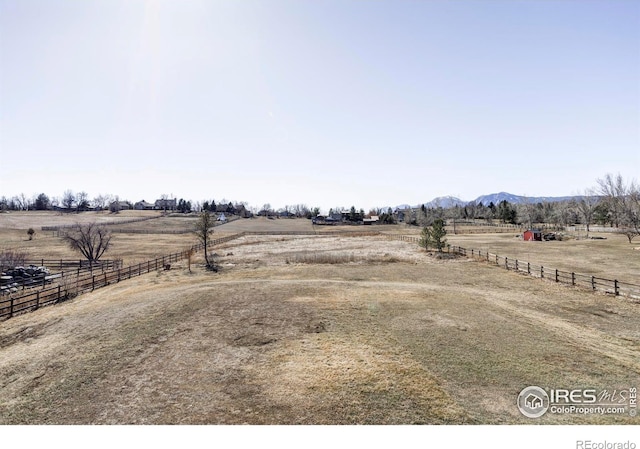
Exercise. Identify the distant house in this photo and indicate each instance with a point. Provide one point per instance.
(532, 235)
(373, 220)
(242, 212)
(165, 204)
(119, 205)
(222, 218)
(326, 219)
(143, 205)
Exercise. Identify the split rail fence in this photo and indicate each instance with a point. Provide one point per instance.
(594, 283)
(69, 287)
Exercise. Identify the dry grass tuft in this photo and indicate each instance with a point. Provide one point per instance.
(335, 258)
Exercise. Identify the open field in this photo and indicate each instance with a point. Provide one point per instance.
(391, 337)
(37, 219)
(613, 258)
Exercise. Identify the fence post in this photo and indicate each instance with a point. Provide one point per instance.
(541, 272)
(516, 264)
(506, 263)
(497, 263)
(528, 268)
(37, 300)
(93, 283)
(616, 287)
(556, 275)
(573, 278)
(593, 282)
(59, 294)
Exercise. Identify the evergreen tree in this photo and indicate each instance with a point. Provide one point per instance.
(438, 233)
(425, 238)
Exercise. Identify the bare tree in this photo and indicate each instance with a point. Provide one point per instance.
(11, 258)
(25, 201)
(101, 202)
(68, 199)
(91, 240)
(586, 206)
(82, 201)
(623, 201)
(203, 230)
(20, 202)
(613, 191)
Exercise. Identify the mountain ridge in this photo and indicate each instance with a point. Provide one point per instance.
(495, 198)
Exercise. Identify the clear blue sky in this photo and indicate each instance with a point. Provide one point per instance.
(328, 103)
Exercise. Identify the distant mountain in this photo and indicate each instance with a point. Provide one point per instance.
(496, 198)
(445, 202)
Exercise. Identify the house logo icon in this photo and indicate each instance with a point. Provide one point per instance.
(533, 402)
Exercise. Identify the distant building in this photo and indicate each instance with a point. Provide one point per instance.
(119, 205)
(532, 235)
(143, 205)
(165, 204)
(373, 220)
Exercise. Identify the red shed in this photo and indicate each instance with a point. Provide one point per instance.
(532, 235)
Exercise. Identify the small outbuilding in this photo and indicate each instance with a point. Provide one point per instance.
(532, 235)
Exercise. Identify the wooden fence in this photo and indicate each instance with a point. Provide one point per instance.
(69, 287)
(594, 283)
(66, 264)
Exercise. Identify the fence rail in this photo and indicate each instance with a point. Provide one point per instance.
(14, 305)
(594, 283)
(61, 264)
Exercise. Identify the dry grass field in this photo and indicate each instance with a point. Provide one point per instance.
(130, 247)
(316, 330)
(611, 258)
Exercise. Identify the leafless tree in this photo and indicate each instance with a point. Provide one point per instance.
(527, 211)
(586, 206)
(164, 197)
(623, 201)
(20, 202)
(613, 190)
(11, 258)
(203, 230)
(91, 240)
(68, 199)
(82, 201)
(100, 202)
(24, 201)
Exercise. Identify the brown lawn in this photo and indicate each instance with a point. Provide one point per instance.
(383, 335)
